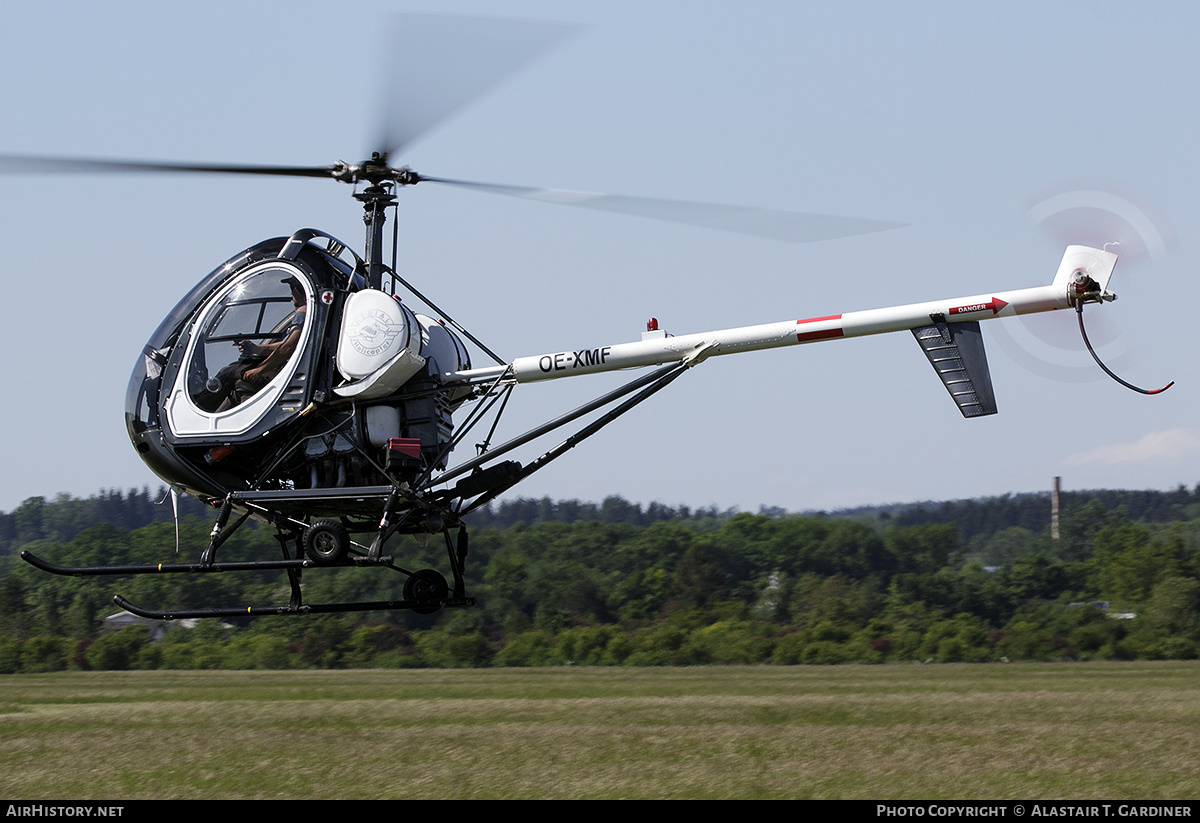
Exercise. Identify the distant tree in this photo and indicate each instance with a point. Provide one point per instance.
(1127, 562)
(28, 517)
(1005, 546)
(1175, 604)
(921, 550)
(117, 651)
(697, 581)
(1034, 577)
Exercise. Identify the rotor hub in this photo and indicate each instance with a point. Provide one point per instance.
(375, 171)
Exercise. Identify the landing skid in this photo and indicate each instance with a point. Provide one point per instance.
(420, 606)
(425, 591)
(195, 568)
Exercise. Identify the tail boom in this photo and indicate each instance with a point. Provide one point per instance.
(656, 348)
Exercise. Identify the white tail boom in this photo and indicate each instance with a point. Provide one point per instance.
(1083, 275)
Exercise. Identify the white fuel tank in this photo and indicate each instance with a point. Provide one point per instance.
(446, 354)
(379, 345)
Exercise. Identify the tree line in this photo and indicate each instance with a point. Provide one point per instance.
(616, 584)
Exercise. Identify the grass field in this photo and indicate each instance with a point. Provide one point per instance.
(1079, 731)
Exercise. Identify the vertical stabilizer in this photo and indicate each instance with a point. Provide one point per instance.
(956, 352)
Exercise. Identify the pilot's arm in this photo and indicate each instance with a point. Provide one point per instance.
(274, 355)
(277, 355)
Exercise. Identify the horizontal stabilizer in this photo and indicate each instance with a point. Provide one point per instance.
(956, 352)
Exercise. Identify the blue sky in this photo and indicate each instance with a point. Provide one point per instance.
(996, 132)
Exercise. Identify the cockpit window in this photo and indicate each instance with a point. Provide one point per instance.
(247, 338)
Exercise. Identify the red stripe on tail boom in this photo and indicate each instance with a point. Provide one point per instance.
(823, 334)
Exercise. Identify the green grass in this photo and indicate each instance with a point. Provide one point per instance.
(1092, 731)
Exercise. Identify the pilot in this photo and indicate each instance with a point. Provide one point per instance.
(269, 358)
(275, 355)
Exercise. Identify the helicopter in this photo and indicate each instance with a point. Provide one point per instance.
(297, 385)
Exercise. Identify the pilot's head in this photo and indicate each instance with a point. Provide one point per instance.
(299, 298)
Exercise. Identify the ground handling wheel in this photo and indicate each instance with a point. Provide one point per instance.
(326, 542)
(426, 584)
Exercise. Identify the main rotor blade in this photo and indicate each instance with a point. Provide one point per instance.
(792, 227)
(440, 64)
(32, 164)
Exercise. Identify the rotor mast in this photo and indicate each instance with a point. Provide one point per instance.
(376, 200)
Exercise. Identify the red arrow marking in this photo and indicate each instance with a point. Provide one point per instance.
(995, 304)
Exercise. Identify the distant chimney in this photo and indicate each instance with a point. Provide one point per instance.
(1055, 506)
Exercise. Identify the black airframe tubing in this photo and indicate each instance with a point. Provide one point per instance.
(477, 413)
(216, 541)
(438, 309)
(550, 426)
(668, 375)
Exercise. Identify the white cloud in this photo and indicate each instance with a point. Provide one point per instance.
(1153, 446)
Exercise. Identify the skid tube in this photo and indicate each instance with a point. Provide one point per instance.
(454, 599)
(298, 610)
(295, 609)
(196, 568)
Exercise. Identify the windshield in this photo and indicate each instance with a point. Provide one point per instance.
(247, 338)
